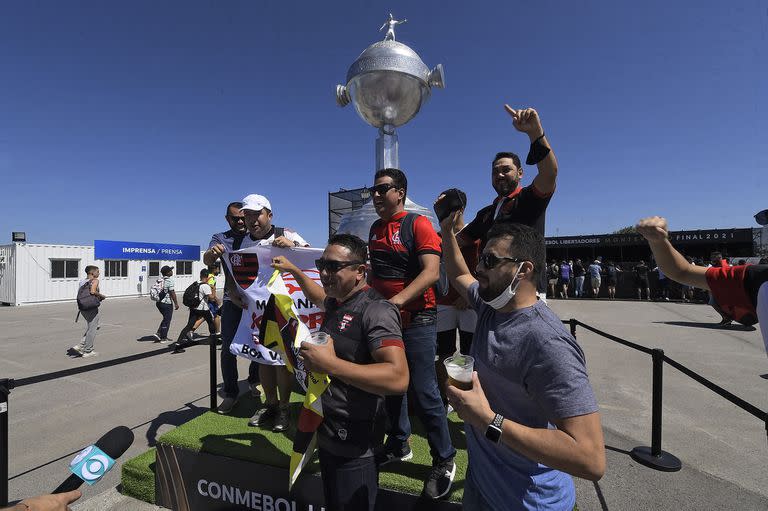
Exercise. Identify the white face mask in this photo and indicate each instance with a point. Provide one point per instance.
(506, 296)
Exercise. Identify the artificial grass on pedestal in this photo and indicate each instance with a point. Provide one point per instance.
(229, 435)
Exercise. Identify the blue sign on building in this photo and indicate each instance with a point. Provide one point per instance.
(104, 249)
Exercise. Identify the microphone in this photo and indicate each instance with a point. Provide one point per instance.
(94, 461)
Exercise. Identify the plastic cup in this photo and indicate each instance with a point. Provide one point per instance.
(459, 369)
(318, 338)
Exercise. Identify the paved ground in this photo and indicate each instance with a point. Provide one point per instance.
(723, 449)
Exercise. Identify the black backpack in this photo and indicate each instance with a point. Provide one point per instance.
(442, 286)
(191, 296)
(85, 300)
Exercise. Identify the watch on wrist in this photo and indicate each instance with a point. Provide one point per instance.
(493, 432)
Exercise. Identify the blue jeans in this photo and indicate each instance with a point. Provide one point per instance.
(420, 345)
(349, 484)
(230, 319)
(166, 309)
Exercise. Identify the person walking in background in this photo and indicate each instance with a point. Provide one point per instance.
(641, 281)
(612, 279)
(89, 287)
(197, 310)
(565, 278)
(553, 276)
(594, 271)
(166, 304)
(578, 273)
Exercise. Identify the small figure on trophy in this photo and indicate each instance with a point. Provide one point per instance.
(391, 23)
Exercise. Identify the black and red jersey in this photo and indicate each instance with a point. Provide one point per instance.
(735, 289)
(393, 265)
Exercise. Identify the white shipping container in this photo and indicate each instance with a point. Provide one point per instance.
(40, 273)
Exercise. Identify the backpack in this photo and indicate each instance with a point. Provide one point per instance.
(443, 285)
(191, 296)
(85, 300)
(157, 291)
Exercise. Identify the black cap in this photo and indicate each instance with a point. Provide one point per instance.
(166, 269)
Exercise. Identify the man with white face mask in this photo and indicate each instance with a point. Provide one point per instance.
(530, 417)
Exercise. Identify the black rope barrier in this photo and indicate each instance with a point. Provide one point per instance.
(619, 340)
(744, 405)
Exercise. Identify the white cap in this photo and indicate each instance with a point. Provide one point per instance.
(255, 202)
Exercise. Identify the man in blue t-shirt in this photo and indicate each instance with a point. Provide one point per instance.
(531, 416)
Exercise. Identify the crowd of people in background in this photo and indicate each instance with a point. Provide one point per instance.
(600, 278)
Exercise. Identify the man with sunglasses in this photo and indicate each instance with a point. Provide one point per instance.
(365, 359)
(515, 203)
(231, 306)
(531, 417)
(404, 273)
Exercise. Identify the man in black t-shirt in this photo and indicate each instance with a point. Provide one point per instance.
(365, 359)
(515, 203)
(641, 281)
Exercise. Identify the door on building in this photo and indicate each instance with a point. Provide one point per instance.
(153, 273)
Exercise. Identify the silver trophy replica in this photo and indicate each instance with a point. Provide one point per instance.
(388, 84)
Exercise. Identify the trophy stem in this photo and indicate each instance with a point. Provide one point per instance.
(387, 148)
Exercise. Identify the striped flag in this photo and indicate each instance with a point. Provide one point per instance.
(282, 330)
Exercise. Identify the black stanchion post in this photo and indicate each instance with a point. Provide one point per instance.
(573, 324)
(5, 390)
(212, 352)
(653, 456)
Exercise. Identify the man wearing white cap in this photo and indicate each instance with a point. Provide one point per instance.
(257, 212)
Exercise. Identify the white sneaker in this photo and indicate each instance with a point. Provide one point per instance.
(89, 354)
(156, 336)
(78, 348)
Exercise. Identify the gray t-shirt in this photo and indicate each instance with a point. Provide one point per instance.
(533, 372)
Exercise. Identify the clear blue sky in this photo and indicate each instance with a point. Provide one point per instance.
(109, 109)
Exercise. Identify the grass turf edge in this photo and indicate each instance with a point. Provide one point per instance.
(229, 435)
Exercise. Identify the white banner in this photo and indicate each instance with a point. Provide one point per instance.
(251, 270)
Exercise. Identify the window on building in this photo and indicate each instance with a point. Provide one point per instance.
(65, 268)
(154, 268)
(183, 267)
(115, 268)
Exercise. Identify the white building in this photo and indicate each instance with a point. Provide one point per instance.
(39, 272)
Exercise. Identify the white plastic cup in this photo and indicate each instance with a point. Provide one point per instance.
(318, 338)
(459, 369)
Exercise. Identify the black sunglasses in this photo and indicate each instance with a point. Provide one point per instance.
(383, 188)
(237, 218)
(490, 261)
(333, 266)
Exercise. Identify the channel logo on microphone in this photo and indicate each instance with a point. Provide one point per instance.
(91, 464)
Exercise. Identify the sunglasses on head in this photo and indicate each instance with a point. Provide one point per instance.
(490, 261)
(333, 266)
(382, 189)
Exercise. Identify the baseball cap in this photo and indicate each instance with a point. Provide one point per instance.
(165, 269)
(762, 217)
(255, 202)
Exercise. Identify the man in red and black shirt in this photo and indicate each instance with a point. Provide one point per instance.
(405, 259)
(364, 358)
(515, 203)
(740, 291)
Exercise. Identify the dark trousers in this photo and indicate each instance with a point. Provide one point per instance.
(194, 315)
(420, 345)
(349, 484)
(166, 309)
(230, 319)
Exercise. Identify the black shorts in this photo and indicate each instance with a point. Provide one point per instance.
(642, 282)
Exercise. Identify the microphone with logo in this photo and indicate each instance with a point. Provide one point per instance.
(94, 461)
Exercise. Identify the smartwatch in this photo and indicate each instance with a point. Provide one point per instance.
(493, 432)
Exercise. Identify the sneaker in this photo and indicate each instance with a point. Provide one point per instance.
(255, 392)
(77, 348)
(283, 420)
(88, 354)
(190, 337)
(440, 479)
(157, 337)
(389, 454)
(226, 405)
(165, 341)
(263, 415)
